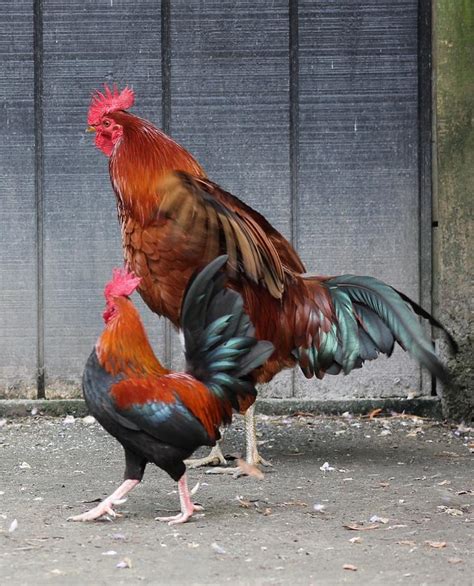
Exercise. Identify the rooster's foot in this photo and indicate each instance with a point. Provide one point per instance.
(181, 517)
(214, 458)
(242, 469)
(257, 460)
(105, 508)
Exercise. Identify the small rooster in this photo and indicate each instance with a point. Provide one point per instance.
(160, 416)
(174, 220)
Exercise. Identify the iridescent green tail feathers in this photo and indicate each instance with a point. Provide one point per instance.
(369, 317)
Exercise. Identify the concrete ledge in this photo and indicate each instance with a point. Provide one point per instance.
(424, 407)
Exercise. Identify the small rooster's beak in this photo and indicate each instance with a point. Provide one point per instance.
(90, 129)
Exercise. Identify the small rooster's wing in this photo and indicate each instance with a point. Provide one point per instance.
(222, 224)
(158, 406)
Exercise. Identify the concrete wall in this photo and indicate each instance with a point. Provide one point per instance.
(454, 183)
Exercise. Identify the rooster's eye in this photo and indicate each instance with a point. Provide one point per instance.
(106, 123)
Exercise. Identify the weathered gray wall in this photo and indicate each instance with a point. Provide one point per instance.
(308, 111)
(18, 314)
(454, 210)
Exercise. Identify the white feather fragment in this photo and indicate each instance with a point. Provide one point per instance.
(13, 526)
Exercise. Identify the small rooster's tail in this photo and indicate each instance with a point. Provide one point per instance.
(220, 346)
(368, 317)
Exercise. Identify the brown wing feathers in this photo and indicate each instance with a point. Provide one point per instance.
(188, 201)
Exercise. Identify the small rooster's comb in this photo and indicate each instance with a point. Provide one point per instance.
(109, 101)
(122, 284)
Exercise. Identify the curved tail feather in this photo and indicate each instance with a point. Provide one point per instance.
(368, 318)
(220, 346)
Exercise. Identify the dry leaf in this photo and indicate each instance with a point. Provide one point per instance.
(355, 539)
(243, 503)
(450, 511)
(374, 413)
(249, 469)
(350, 567)
(267, 512)
(360, 527)
(455, 561)
(407, 542)
(436, 544)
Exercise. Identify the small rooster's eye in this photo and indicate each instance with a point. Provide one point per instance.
(106, 123)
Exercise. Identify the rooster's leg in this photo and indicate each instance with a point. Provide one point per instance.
(214, 458)
(187, 505)
(106, 506)
(252, 456)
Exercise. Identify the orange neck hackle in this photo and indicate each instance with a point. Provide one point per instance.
(123, 347)
(141, 159)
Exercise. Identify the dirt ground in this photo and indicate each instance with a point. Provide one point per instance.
(348, 500)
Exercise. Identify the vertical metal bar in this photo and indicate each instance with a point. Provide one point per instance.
(166, 65)
(39, 191)
(294, 133)
(166, 120)
(294, 120)
(425, 105)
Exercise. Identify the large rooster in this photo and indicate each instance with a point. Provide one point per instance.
(174, 220)
(161, 416)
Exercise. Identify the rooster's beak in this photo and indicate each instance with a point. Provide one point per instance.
(90, 129)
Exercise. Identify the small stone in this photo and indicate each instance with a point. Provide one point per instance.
(218, 549)
(88, 420)
(326, 468)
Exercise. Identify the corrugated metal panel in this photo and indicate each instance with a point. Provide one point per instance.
(83, 48)
(330, 160)
(230, 103)
(17, 200)
(358, 200)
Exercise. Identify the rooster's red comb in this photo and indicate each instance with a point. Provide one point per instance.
(109, 101)
(122, 284)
